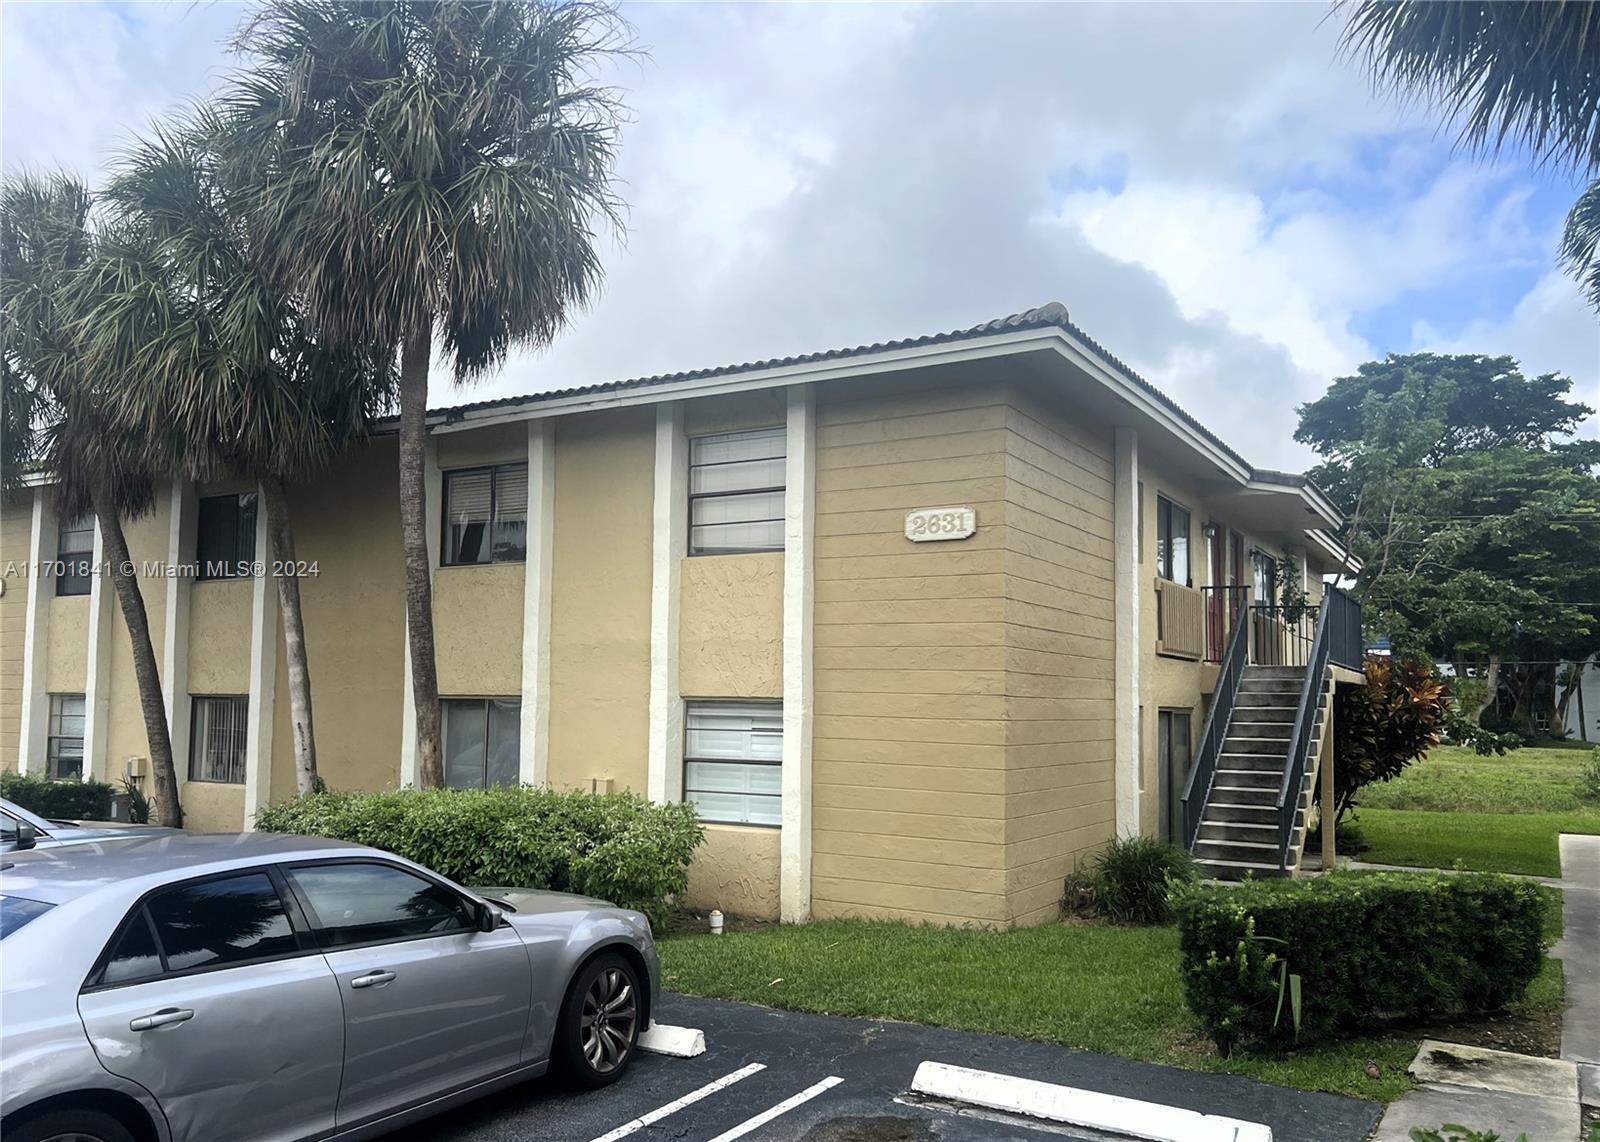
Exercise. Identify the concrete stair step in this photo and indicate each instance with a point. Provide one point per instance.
(1296, 672)
(1276, 746)
(1262, 813)
(1250, 779)
(1228, 831)
(1238, 759)
(1247, 796)
(1261, 852)
(1239, 869)
(1273, 731)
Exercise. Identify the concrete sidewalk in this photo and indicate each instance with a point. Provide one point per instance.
(1517, 1094)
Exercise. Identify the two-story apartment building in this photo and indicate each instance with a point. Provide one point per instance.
(725, 586)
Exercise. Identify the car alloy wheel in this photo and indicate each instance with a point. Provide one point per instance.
(73, 1136)
(610, 1015)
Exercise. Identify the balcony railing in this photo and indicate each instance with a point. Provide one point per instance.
(1180, 620)
(1282, 635)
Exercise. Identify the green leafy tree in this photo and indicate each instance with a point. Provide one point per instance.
(46, 243)
(212, 358)
(433, 176)
(1509, 73)
(1474, 514)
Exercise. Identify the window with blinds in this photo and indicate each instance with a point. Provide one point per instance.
(482, 742)
(736, 484)
(64, 749)
(217, 734)
(486, 515)
(75, 552)
(733, 761)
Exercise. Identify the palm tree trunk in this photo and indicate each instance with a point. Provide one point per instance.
(414, 360)
(145, 673)
(1491, 690)
(280, 532)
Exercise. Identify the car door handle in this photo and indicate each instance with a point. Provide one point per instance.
(372, 979)
(163, 1018)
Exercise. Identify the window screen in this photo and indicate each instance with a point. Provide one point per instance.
(733, 761)
(225, 536)
(217, 739)
(486, 515)
(482, 742)
(75, 551)
(736, 484)
(65, 744)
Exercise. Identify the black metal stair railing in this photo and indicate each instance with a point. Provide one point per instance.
(1305, 718)
(1345, 646)
(1203, 771)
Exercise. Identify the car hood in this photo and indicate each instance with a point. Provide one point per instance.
(535, 901)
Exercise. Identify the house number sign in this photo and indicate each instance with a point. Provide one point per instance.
(927, 525)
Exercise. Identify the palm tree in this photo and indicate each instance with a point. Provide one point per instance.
(430, 171)
(1506, 73)
(212, 356)
(46, 243)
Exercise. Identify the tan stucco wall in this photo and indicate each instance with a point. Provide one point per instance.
(211, 807)
(1059, 705)
(125, 730)
(67, 660)
(736, 870)
(477, 624)
(730, 626)
(909, 737)
(355, 624)
(600, 598)
(16, 523)
(219, 637)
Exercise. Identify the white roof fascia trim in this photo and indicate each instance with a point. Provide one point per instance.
(1310, 496)
(891, 360)
(1092, 363)
(1334, 549)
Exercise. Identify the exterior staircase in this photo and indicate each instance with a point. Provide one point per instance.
(1239, 826)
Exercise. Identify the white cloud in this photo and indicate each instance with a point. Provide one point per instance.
(1214, 194)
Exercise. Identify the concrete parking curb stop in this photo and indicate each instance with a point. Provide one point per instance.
(679, 1042)
(1092, 1110)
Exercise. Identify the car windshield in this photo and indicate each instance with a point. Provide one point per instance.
(12, 809)
(16, 911)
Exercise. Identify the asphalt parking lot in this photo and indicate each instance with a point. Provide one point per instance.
(845, 1080)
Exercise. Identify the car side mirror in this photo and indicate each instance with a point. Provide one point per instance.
(488, 917)
(27, 836)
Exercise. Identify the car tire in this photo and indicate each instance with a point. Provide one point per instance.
(598, 1032)
(69, 1124)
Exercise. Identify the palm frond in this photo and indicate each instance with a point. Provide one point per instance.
(1580, 243)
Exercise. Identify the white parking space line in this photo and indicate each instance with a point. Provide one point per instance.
(678, 1104)
(783, 1107)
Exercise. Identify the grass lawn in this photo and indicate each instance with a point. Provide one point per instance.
(1107, 989)
(1494, 814)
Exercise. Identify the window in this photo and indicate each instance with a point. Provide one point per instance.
(736, 484)
(1265, 569)
(218, 923)
(64, 749)
(75, 551)
(363, 903)
(217, 739)
(1172, 541)
(486, 515)
(1174, 754)
(733, 761)
(225, 545)
(16, 911)
(482, 742)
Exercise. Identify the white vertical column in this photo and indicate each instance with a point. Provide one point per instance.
(181, 522)
(1128, 647)
(33, 740)
(97, 666)
(433, 485)
(670, 530)
(263, 675)
(799, 528)
(535, 744)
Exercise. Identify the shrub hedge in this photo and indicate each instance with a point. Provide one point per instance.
(1365, 946)
(617, 847)
(65, 800)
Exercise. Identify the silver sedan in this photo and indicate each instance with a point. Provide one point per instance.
(261, 986)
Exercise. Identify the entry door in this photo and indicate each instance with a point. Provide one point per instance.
(1174, 751)
(1216, 604)
(431, 1004)
(208, 1000)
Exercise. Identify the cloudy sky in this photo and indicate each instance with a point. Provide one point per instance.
(1212, 191)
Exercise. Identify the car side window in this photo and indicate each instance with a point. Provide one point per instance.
(359, 903)
(135, 955)
(216, 923)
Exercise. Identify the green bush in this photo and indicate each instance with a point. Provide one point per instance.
(1589, 777)
(617, 847)
(58, 800)
(1130, 881)
(1363, 946)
